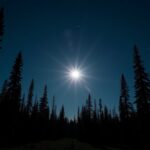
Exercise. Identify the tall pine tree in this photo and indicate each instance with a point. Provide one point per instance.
(89, 107)
(35, 109)
(95, 116)
(125, 107)
(62, 114)
(12, 101)
(30, 98)
(142, 86)
(43, 106)
(53, 115)
(14, 86)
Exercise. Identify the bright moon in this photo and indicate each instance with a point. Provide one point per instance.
(75, 74)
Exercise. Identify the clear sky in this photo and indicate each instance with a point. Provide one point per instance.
(96, 35)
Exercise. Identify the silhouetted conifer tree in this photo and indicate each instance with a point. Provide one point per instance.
(12, 100)
(125, 107)
(106, 113)
(84, 114)
(100, 110)
(53, 120)
(95, 115)
(43, 106)
(30, 98)
(142, 95)
(14, 86)
(53, 115)
(35, 108)
(62, 122)
(89, 107)
(142, 86)
(62, 114)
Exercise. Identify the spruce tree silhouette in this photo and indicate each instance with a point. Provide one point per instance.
(125, 106)
(142, 95)
(62, 122)
(95, 115)
(30, 98)
(142, 86)
(43, 106)
(62, 114)
(35, 122)
(14, 85)
(13, 99)
(89, 107)
(53, 115)
(35, 109)
(125, 111)
(53, 123)
(44, 114)
(100, 109)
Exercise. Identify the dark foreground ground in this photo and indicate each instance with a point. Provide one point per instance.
(64, 144)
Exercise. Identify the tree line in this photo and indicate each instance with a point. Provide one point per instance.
(24, 119)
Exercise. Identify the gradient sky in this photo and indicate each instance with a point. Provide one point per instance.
(98, 35)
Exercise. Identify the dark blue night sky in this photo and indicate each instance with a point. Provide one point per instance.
(97, 35)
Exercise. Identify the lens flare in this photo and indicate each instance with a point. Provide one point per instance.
(75, 74)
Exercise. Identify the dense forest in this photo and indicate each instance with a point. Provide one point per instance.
(24, 119)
